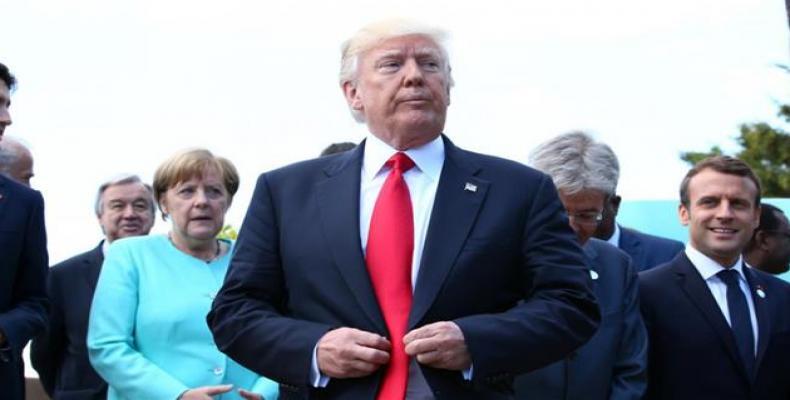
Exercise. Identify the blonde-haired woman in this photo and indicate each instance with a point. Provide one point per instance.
(147, 335)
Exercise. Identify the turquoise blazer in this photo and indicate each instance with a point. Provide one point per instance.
(147, 335)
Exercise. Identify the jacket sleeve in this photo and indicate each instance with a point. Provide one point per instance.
(559, 312)
(247, 317)
(111, 331)
(28, 314)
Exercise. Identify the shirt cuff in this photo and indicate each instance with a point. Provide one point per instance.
(317, 379)
(468, 372)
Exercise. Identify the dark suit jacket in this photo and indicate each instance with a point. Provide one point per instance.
(613, 364)
(60, 355)
(692, 352)
(23, 275)
(647, 251)
(299, 271)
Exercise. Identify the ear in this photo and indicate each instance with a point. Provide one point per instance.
(756, 221)
(760, 239)
(353, 95)
(616, 199)
(684, 214)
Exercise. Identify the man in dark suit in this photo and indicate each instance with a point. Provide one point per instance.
(407, 267)
(717, 328)
(23, 265)
(613, 364)
(646, 251)
(124, 207)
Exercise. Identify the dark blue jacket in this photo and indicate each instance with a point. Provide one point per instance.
(647, 251)
(692, 352)
(23, 276)
(500, 260)
(60, 355)
(613, 364)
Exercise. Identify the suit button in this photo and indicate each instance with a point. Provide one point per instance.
(218, 371)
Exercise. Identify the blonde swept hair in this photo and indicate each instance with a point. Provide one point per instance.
(374, 33)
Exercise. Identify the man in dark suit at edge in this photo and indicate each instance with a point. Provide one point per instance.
(124, 207)
(407, 267)
(23, 265)
(717, 329)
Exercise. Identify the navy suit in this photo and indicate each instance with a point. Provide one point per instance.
(613, 364)
(299, 271)
(692, 352)
(60, 355)
(647, 251)
(23, 275)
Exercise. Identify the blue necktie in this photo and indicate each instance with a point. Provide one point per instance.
(740, 321)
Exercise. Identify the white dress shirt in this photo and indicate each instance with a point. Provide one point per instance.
(708, 268)
(422, 180)
(614, 240)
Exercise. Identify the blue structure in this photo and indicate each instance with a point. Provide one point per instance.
(660, 217)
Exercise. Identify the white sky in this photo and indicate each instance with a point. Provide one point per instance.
(110, 86)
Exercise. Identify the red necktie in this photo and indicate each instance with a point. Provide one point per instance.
(389, 255)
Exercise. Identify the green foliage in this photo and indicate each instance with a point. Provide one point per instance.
(228, 232)
(765, 148)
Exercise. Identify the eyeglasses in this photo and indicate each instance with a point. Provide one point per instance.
(586, 217)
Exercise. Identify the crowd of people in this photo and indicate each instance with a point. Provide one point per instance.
(403, 267)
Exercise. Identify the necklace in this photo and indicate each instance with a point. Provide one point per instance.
(207, 261)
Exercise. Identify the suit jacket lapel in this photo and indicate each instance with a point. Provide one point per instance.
(697, 290)
(94, 261)
(454, 212)
(338, 201)
(761, 311)
(631, 244)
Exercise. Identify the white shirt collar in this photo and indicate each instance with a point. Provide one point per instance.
(614, 240)
(707, 267)
(429, 158)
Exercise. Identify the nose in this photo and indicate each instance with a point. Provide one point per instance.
(413, 74)
(128, 211)
(201, 199)
(5, 116)
(724, 211)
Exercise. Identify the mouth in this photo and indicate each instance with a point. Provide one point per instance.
(726, 232)
(131, 227)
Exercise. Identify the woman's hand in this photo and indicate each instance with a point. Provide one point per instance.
(205, 392)
(247, 395)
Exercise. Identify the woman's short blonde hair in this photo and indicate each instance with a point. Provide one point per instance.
(187, 164)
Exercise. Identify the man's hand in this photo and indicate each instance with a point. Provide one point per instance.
(439, 345)
(351, 353)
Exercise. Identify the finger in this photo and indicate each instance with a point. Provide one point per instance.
(421, 333)
(357, 368)
(218, 389)
(421, 346)
(250, 395)
(431, 358)
(371, 340)
(371, 355)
